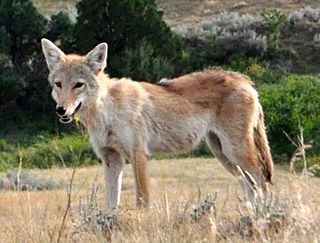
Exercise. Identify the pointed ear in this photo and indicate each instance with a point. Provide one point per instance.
(96, 59)
(54, 56)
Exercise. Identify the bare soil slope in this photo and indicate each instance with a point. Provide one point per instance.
(189, 12)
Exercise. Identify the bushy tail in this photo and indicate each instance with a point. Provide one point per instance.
(262, 145)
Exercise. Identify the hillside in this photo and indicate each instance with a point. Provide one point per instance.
(189, 12)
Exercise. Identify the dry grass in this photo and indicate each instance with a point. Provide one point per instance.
(176, 185)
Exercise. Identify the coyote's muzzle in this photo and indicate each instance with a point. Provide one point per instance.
(62, 113)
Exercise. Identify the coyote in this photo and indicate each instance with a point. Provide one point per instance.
(138, 119)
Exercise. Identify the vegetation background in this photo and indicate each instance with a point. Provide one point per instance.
(149, 40)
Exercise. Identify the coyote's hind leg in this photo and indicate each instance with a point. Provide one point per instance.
(245, 179)
(139, 164)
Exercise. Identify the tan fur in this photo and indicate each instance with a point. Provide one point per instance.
(137, 120)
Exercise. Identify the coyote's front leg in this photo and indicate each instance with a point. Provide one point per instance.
(139, 163)
(113, 166)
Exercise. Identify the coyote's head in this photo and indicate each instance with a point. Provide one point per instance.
(73, 78)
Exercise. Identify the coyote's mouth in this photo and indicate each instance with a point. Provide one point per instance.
(67, 119)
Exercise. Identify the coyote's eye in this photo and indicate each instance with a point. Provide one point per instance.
(58, 84)
(78, 85)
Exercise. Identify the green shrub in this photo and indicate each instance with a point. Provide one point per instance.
(10, 86)
(24, 26)
(222, 39)
(262, 75)
(274, 22)
(201, 151)
(5, 146)
(291, 103)
(47, 151)
(142, 63)
(313, 164)
(23, 72)
(59, 26)
(234, 33)
(123, 25)
(240, 63)
(199, 57)
(315, 170)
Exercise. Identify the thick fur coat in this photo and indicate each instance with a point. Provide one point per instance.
(137, 119)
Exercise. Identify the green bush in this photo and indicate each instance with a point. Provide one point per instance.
(142, 63)
(23, 72)
(262, 75)
(59, 26)
(315, 170)
(228, 36)
(313, 164)
(274, 22)
(24, 26)
(124, 25)
(292, 102)
(47, 151)
(10, 87)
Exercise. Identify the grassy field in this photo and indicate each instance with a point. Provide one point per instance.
(176, 187)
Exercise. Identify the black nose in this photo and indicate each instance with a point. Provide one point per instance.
(60, 111)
